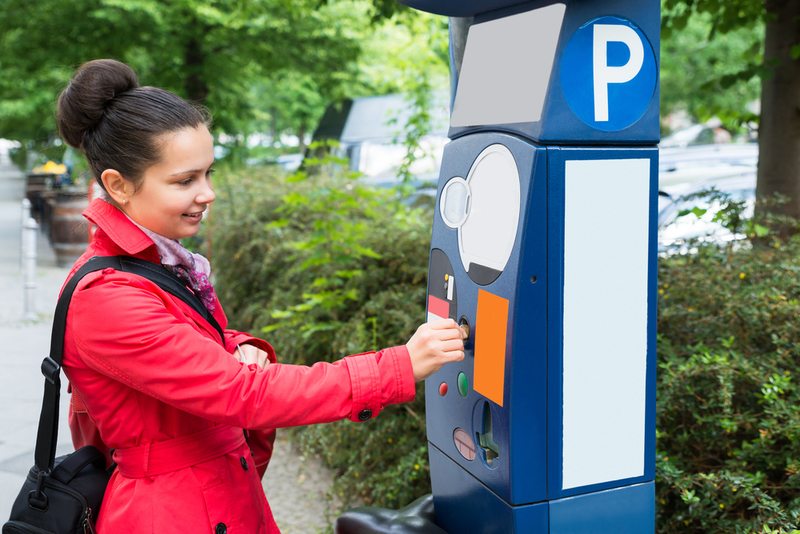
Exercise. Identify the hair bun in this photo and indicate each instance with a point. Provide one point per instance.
(83, 103)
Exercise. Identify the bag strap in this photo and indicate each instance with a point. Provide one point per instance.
(74, 463)
(47, 434)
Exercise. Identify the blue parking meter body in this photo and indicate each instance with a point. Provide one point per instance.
(544, 243)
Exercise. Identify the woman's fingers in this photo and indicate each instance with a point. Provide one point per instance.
(447, 329)
(433, 345)
(452, 345)
(251, 354)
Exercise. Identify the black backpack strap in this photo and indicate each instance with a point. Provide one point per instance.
(47, 434)
(170, 283)
(51, 368)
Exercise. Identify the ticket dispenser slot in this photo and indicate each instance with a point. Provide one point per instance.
(490, 451)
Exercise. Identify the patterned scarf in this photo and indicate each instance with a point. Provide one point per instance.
(193, 269)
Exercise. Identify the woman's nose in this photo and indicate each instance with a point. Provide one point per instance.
(206, 195)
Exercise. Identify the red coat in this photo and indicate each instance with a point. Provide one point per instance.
(151, 380)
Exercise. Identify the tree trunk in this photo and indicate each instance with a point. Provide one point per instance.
(301, 134)
(779, 129)
(196, 87)
(273, 125)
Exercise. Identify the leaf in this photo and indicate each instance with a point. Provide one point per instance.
(760, 231)
(795, 51)
(698, 212)
(274, 225)
(298, 176)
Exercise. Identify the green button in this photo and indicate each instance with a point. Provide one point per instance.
(463, 385)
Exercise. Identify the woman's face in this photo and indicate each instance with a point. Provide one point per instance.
(175, 192)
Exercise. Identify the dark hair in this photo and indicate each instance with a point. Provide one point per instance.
(117, 124)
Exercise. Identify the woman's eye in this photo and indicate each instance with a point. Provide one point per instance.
(209, 172)
(186, 181)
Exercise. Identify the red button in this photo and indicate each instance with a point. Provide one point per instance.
(443, 389)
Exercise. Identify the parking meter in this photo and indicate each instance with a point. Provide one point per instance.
(544, 244)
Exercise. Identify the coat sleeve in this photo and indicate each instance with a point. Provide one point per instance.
(126, 328)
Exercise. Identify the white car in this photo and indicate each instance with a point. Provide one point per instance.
(729, 169)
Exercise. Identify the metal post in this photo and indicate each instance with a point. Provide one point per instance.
(26, 214)
(29, 268)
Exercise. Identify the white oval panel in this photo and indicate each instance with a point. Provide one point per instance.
(487, 235)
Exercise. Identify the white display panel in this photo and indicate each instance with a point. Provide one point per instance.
(506, 69)
(606, 249)
(487, 235)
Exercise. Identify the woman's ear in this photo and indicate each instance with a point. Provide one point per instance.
(118, 188)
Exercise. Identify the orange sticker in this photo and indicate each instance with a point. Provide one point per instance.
(491, 325)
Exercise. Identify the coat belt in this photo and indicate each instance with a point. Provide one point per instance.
(161, 457)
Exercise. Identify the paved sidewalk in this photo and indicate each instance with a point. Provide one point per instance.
(295, 486)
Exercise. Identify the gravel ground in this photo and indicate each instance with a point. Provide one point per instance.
(296, 488)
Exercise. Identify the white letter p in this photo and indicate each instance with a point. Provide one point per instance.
(603, 73)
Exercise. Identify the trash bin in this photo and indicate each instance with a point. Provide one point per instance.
(35, 186)
(69, 230)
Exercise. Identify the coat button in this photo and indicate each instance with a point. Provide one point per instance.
(365, 414)
(221, 528)
(244, 463)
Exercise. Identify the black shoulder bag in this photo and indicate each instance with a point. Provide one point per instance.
(63, 495)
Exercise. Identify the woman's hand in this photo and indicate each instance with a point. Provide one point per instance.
(433, 345)
(249, 354)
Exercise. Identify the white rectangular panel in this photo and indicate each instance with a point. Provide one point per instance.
(605, 319)
(506, 69)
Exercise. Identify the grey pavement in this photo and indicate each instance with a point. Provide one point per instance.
(295, 486)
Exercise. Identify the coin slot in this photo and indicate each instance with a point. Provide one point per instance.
(464, 324)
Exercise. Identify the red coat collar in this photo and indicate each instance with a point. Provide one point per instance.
(114, 226)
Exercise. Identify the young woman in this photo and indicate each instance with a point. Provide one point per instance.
(152, 383)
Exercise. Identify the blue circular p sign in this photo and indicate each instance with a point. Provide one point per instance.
(609, 73)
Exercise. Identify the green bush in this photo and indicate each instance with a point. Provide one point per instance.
(728, 410)
(323, 267)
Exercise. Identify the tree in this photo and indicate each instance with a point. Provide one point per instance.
(779, 70)
(779, 132)
(209, 51)
(703, 78)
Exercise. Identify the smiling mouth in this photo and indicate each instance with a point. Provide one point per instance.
(198, 215)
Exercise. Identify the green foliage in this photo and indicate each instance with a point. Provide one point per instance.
(324, 249)
(728, 418)
(708, 73)
(210, 51)
(724, 15)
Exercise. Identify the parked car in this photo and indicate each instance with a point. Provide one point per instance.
(729, 169)
(370, 133)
